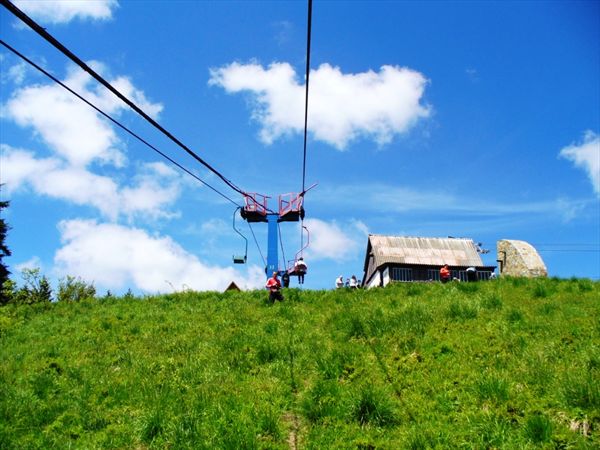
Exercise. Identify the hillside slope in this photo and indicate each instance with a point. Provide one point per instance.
(510, 363)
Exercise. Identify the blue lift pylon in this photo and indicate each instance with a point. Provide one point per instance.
(291, 209)
(272, 240)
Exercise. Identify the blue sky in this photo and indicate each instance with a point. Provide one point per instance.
(470, 119)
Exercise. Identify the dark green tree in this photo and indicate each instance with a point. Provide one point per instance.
(4, 250)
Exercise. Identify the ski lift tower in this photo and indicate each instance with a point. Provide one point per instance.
(291, 209)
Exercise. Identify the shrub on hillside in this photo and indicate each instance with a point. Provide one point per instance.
(35, 290)
(538, 428)
(322, 400)
(374, 406)
(71, 289)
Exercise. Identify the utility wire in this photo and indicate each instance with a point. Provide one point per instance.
(308, 37)
(309, 27)
(565, 245)
(116, 122)
(54, 42)
(574, 250)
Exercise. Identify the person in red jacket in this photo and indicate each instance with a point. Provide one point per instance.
(274, 287)
(445, 274)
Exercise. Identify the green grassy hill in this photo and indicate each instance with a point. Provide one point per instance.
(510, 363)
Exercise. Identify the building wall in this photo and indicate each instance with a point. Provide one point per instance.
(374, 282)
(519, 259)
(386, 276)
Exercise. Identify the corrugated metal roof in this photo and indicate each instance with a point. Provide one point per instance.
(420, 250)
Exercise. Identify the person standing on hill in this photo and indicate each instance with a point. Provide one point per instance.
(353, 282)
(339, 282)
(445, 274)
(274, 287)
(285, 279)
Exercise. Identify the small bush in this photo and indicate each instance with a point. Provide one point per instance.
(153, 425)
(268, 423)
(514, 315)
(585, 285)
(35, 290)
(376, 322)
(468, 287)
(414, 289)
(356, 328)
(582, 389)
(461, 310)
(540, 290)
(420, 440)
(268, 351)
(491, 432)
(71, 289)
(373, 406)
(538, 428)
(516, 281)
(547, 308)
(322, 401)
(414, 319)
(331, 366)
(492, 302)
(8, 291)
(492, 388)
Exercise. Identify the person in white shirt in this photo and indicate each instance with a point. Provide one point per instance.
(300, 268)
(353, 282)
(339, 282)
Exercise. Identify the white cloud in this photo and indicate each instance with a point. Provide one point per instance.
(214, 227)
(115, 257)
(586, 155)
(61, 11)
(32, 263)
(70, 127)
(78, 136)
(342, 107)
(381, 197)
(328, 240)
(389, 199)
(154, 189)
(15, 73)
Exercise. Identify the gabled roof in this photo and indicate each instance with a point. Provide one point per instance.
(419, 251)
(232, 287)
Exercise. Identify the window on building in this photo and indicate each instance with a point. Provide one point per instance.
(460, 274)
(433, 274)
(402, 274)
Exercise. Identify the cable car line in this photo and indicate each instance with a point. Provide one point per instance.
(308, 39)
(295, 211)
(64, 50)
(107, 116)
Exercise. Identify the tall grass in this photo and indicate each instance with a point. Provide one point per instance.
(510, 363)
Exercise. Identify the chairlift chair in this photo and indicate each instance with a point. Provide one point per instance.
(292, 263)
(291, 207)
(240, 259)
(255, 207)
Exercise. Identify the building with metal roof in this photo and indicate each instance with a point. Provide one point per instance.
(403, 258)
